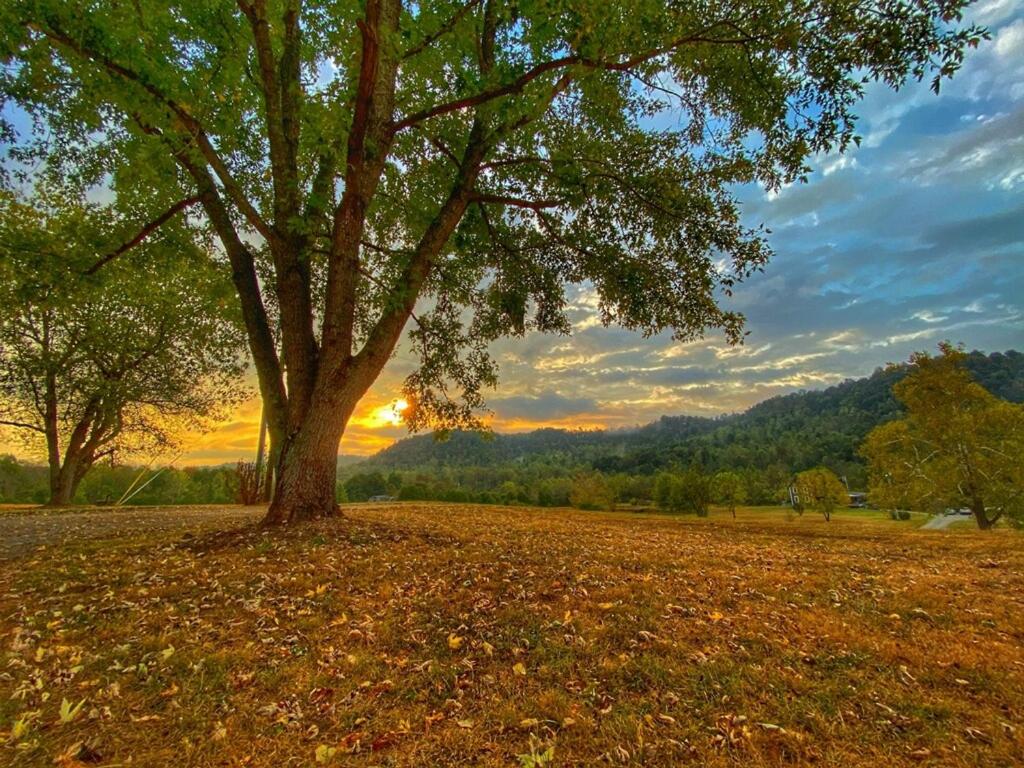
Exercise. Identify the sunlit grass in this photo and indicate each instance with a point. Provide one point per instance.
(422, 635)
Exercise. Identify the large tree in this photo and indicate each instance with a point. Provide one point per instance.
(100, 353)
(958, 445)
(358, 157)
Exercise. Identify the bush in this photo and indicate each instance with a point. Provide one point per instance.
(686, 492)
(591, 491)
(247, 483)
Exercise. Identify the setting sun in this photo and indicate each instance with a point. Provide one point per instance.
(391, 414)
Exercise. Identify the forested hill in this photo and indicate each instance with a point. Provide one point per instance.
(795, 432)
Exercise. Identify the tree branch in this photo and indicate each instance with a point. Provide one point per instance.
(517, 202)
(191, 127)
(368, 146)
(520, 83)
(447, 27)
(22, 425)
(143, 233)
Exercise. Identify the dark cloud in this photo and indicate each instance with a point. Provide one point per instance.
(546, 406)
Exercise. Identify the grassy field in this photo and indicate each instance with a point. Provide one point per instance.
(445, 635)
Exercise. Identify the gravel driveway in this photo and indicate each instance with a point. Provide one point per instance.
(941, 522)
(25, 531)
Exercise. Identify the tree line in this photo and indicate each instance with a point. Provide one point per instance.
(954, 445)
(26, 483)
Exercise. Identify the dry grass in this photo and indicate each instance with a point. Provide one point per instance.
(438, 635)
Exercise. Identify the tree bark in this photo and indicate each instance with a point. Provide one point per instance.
(978, 508)
(62, 486)
(306, 487)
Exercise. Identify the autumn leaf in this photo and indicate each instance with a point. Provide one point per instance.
(325, 753)
(68, 713)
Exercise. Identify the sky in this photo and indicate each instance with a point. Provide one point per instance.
(914, 237)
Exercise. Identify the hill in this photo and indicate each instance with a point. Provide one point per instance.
(795, 432)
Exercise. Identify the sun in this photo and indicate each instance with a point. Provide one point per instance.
(391, 415)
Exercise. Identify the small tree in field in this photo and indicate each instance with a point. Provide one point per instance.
(354, 158)
(689, 491)
(695, 488)
(590, 490)
(959, 445)
(100, 354)
(822, 490)
(729, 490)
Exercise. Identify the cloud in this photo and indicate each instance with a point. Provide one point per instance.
(990, 153)
(542, 407)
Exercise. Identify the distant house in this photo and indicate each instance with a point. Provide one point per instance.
(858, 499)
(381, 498)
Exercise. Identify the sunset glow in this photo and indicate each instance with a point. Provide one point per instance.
(391, 414)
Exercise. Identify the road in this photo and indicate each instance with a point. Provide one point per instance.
(941, 522)
(25, 532)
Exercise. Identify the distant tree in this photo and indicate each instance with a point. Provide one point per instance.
(363, 485)
(21, 483)
(689, 491)
(695, 488)
(590, 490)
(958, 445)
(822, 490)
(554, 492)
(100, 354)
(729, 490)
(247, 483)
(667, 493)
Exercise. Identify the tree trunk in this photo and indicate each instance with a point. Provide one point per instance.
(62, 488)
(307, 478)
(64, 482)
(978, 508)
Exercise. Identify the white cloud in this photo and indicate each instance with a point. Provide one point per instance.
(992, 12)
(1009, 42)
(839, 163)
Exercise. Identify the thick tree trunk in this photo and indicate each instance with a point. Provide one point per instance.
(64, 481)
(62, 489)
(307, 473)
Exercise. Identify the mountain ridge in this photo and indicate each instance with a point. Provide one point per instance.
(797, 430)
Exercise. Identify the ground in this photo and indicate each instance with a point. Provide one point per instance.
(451, 635)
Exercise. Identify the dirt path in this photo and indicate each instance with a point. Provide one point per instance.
(941, 522)
(24, 532)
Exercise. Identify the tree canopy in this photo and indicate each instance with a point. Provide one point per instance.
(958, 446)
(820, 489)
(102, 352)
(469, 156)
